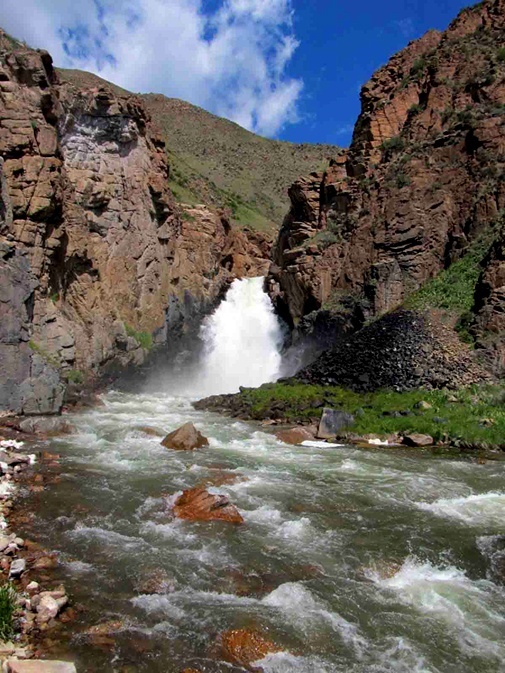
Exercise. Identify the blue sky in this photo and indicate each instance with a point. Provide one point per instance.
(290, 69)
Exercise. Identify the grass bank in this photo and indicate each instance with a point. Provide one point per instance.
(474, 414)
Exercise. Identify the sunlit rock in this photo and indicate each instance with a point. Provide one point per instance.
(185, 438)
(197, 504)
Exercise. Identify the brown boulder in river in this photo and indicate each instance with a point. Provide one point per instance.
(185, 438)
(243, 647)
(197, 504)
(294, 435)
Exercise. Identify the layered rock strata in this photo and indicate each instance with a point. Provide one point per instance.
(97, 263)
(421, 180)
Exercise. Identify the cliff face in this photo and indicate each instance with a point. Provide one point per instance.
(422, 179)
(97, 263)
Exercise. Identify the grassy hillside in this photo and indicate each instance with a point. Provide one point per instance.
(217, 162)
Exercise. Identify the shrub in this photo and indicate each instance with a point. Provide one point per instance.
(501, 55)
(419, 67)
(402, 180)
(144, 339)
(7, 610)
(395, 144)
(74, 376)
(415, 109)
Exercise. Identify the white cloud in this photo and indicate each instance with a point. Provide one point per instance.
(232, 62)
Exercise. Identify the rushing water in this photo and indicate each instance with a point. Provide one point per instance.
(355, 560)
(350, 560)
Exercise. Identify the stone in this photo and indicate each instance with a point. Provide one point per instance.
(33, 588)
(416, 439)
(332, 422)
(185, 438)
(39, 666)
(47, 608)
(197, 504)
(157, 581)
(242, 647)
(422, 404)
(45, 563)
(294, 435)
(4, 542)
(17, 567)
(46, 426)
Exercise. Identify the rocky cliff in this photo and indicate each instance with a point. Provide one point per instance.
(422, 180)
(97, 263)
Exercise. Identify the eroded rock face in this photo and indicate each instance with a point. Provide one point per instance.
(197, 504)
(185, 438)
(97, 263)
(421, 179)
(489, 325)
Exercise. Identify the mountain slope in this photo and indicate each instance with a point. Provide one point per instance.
(217, 162)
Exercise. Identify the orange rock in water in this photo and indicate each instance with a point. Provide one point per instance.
(243, 647)
(197, 504)
(185, 438)
(294, 435)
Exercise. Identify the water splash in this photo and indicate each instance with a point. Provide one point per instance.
(242, 341)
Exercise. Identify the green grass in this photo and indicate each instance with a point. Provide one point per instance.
(454, 288)
(464, 419)
(144, 339)
(7, 610)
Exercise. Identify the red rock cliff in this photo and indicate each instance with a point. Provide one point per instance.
(424, 176)
(96, 261)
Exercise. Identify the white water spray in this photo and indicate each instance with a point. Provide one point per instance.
(242, 340)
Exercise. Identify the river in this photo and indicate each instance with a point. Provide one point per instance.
(350, 560)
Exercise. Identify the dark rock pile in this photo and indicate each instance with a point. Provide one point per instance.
(402, 350)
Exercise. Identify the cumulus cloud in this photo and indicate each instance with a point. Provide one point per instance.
(232, 60)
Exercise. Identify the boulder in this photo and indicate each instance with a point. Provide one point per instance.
(46, 426)
(185, 438)
(36, 666)
(47, 608)
(294, 435)
(243, 647)
(332, 422)
(157, 581)
(197, 504)
(416, 439)
(17, 567)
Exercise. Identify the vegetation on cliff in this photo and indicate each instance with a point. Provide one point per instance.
(217, 162)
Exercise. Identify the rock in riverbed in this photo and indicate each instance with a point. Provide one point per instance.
(185, 438)
(242, 647)
(416, 439)
(197, 504)
(332, 422)
(294, 435)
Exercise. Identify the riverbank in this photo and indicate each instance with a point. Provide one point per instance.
(30, 605)
(467, 418)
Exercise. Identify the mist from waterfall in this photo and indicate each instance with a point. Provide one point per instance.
(242, 341)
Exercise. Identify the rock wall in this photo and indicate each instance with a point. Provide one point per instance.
(97, 264)
(424, 176)
(489, 325)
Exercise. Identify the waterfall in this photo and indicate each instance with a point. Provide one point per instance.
(242, 341)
